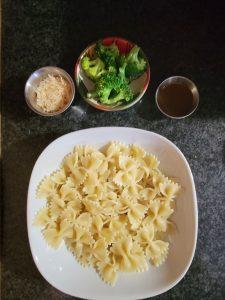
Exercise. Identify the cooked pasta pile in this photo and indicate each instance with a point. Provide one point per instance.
(109, 207)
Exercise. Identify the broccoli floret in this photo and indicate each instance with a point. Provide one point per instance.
(125, 93)
(111, 88)
(136, 65)
(93, 68)
(106, 84)
(122, 69)
(121, 59)
(108, 54)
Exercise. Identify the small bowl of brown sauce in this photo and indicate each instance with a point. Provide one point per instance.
(177, 97)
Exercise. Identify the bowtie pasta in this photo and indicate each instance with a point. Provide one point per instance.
(110, 207)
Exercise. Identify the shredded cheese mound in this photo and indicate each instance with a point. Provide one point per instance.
(52, 93)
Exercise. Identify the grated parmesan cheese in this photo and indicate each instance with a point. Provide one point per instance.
(52, 93)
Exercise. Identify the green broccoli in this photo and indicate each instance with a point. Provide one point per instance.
(125, 90)
(122, 68)
(108, 54)
(111, 88)
(121, 59)
(106, 84)
(125, 93)
(93, 68)
(136, 65)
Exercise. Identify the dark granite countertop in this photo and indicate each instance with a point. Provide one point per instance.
(180, 38)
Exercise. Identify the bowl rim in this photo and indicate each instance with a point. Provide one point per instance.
(64, 108)
(108, 107)
(194, 91)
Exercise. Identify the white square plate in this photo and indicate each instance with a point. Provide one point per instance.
(60, 268)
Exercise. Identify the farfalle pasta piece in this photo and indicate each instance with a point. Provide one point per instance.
(57, 199)
(109, 203)
(59, 177)
(70, 162)
(69, 193)
(46, 188)
(107, 234)
(151, 161)
(97, 224)
(131, 192)
(148, 194)
(123, 178)
(92, 206)
(84, 220)
(42, 218)
(118, 226)
(82, 235)
(81, 244)
(90, 182)
(115, 224)
(78, 176)
(99, 192)
(156, 250)
(135, 212)
(56, 206)
(82, 251)
(139, 258)
(85, 258)
(139, 174)
(123, 148)
(129, 256)
(79, 150)
(69, 214)
(158, 214)
(109, 207)
(103, 169)
(87, 150)
(100, 250)
(108, 271)
(70, 183)
(55, 210)
(158, 179)
(169, 189)
(54, 234)
(75, 204)
(137, 152)
(112, 150)
(127, 163)
(92, 162)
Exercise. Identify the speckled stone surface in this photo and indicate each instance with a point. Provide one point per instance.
(180, 38)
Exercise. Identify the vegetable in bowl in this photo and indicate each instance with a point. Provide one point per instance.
(136, 65)
(109, 54)
(93, 68)
(112, 72)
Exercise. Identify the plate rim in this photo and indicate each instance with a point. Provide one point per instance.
(142, 296)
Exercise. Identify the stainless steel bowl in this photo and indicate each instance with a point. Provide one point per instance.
(180, 80)
(85, 85)
(34, 80)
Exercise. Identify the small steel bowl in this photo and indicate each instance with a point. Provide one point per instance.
(182, 80)
(85, 85)
(34, 80)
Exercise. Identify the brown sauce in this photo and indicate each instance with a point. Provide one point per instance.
(176, 100)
